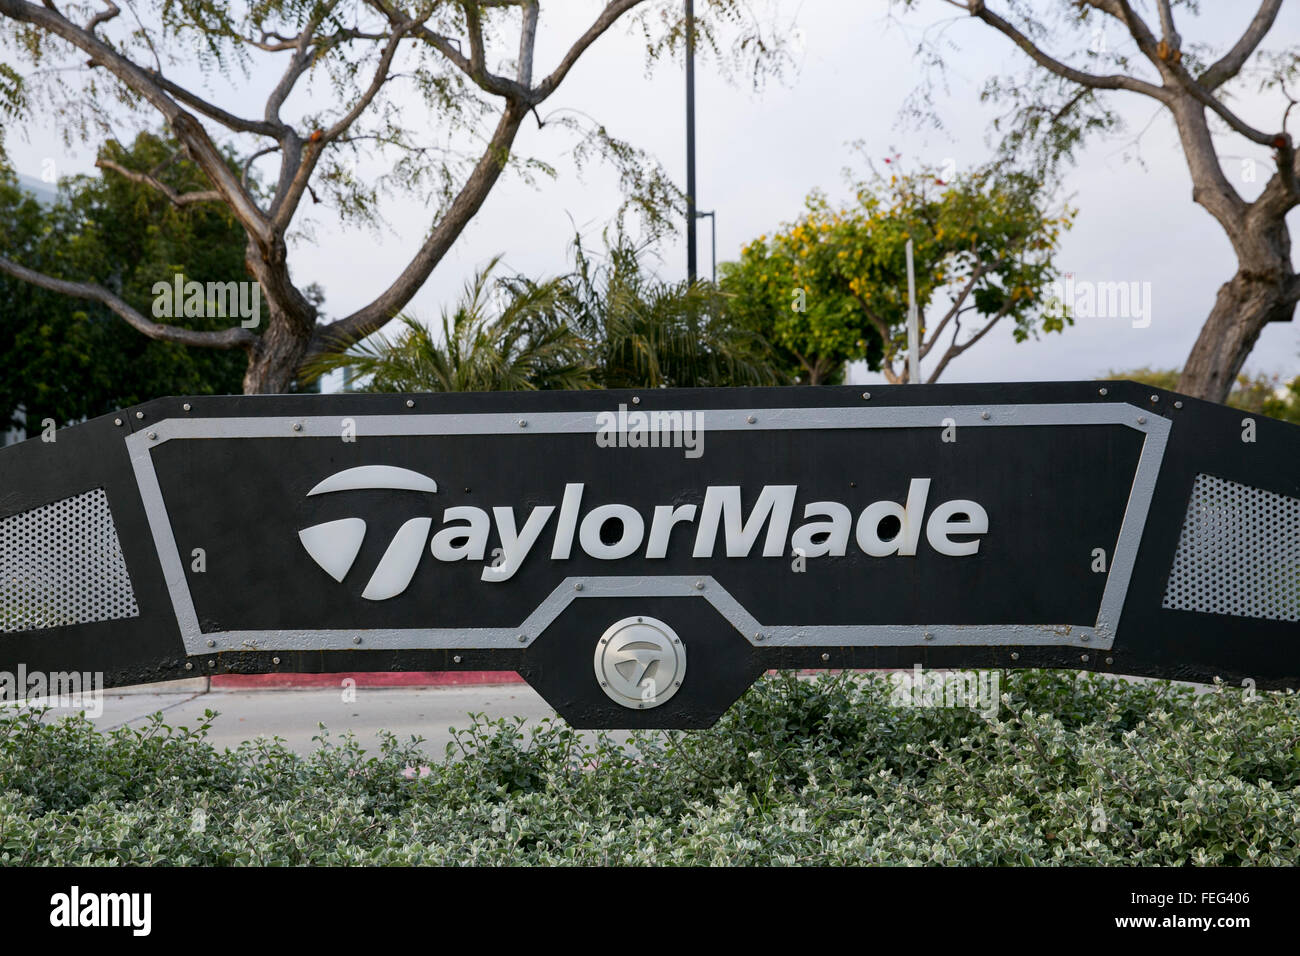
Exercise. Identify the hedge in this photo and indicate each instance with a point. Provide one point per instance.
(1074, 769)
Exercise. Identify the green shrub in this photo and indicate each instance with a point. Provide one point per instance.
(1076, 769)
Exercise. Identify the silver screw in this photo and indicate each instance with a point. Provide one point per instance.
(1015, 655)
(604, 640)
(826, 657)
(523, 638)
(1178, 404)
(929, 636)
(1142, 419)
(212, 663)
(117, 421)
(636, 400)
(758, 636)
(604, 683)
(139, 414)
(984, 415)
(297, 426)
(357, 639)
(677, 683)
(1110, 660)
(578, 586)
(1101, 391)
(153, 436)
(275, 660)
(1084, 658)
(1155, 398)
(1083, 637)
(751, 419)
(640, 620)
(189, 666)
(866, 396)
(699, 585)
(212, 643)
(186, 406)
(523, 423)
(456, 659)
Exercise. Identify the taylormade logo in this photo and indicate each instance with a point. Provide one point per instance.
(612, 532)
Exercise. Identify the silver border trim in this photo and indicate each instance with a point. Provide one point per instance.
(1099, 635)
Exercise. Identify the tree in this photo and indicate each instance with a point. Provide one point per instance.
(644, 332)
(831, 288)
(69, 361)
(610, 323)
(1067, 95)
(519, 348)
(470, 62)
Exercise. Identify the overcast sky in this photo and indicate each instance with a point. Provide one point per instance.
(759, 154)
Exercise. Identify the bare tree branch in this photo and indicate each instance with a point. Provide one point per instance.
(177, 199)
(1230, 64)
(236, 337)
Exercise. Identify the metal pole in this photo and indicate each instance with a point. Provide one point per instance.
(690, 140)
(913, 324)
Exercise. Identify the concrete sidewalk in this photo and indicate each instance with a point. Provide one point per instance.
(293, 715)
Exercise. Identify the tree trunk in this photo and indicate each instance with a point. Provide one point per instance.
(273, 365)
(1244, 305)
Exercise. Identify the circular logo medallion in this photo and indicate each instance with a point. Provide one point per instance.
(640, 662)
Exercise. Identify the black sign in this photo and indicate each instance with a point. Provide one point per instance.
(641, 557)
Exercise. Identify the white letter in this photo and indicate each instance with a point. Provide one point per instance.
(909, 519)
(629, 540)
(661, 527)
(837, 530)
(475, 534)
(568, 519)
(942, 525)
(776, 501)
(516, 547)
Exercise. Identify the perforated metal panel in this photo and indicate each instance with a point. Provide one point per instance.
(1239, 553)
(62, 564)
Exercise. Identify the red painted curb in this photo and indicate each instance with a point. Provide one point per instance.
(363, 679)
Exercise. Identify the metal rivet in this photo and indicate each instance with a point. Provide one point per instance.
(1084, 637)
(456, 659)
(1178, 404)
(1155, 398)
(297, 426)
(275, 660)
(677, 683)
(1101, 391)
(751, 419)
(699, 585)
(1110, 660)
(577, 586)
(636, 400)
(523, 423)
(357, 639)
(186, 406)
(1084, 658)
(523, 638)
(117, 421)
(604, 640)
(604, 684)
(189, 666)
(866, 395)
(1015, 655)
(410, 403)
(826, 657)
(1142, 419)
(212, 643)
(758, 636)
(984, 415)
(212, 663)
(139, 414)
(640, 620)
(153, 436)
